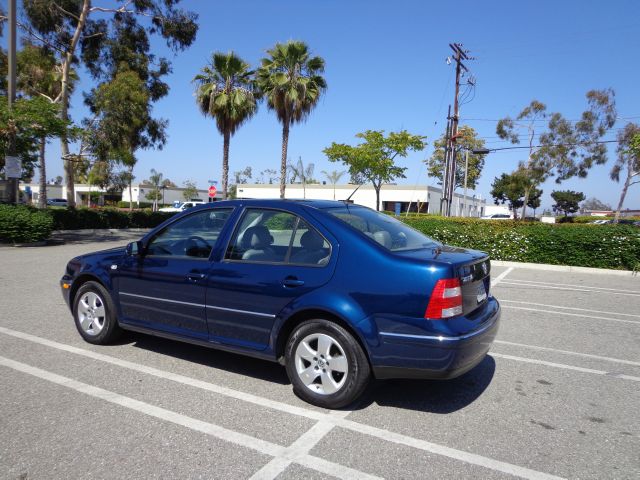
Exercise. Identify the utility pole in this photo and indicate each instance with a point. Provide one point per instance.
(12, 165)
(449, 180)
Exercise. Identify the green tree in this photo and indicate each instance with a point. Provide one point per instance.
(122, 122)
(156, 181)
(190, 190)
(268, 176)
(39, 76)
(468, 141)
(290, 79)
(30, 120)
(333, 177)
(226, 93)
(511, 188)
(241, 176)
(79, 30)
(560, 148)
(567, 201)
(628, 159)
(373, 160)
(595, 204)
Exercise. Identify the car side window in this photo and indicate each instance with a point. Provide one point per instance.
(273, 236)
(192, 236)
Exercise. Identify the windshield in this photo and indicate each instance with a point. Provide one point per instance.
(387, 231)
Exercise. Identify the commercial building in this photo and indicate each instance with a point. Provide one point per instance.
(100, 196)
(394, 198)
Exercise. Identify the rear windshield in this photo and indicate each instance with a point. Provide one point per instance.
(387, 231)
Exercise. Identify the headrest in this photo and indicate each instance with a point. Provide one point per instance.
(257, 237)
(310, 240)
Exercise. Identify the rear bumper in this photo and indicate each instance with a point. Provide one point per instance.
(401, 355)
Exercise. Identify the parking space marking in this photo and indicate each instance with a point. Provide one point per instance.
(581, 315)
(548, 286)
(569, 308)
(568, 352)
(614, 290)
(211, 429)
(566, 367)
(376, 432)
(500, 277)
(302, 446)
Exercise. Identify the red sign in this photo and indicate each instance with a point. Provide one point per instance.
(212, 191)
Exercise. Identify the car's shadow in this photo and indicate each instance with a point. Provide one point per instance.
(231, 362)
(434, 396)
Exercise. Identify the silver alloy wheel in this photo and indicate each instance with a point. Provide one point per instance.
(91, 313)
(321, 363)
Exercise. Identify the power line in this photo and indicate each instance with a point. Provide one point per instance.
(519, 147)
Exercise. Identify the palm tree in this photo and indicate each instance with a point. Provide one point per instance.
(334, 177)
(299, 171)
(226, 92)
(290, 80)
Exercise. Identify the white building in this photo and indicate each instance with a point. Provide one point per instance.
(100, 196)
(392, 197)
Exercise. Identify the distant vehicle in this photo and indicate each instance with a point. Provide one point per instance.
(57, 202)
(182, 206)
(599, 222)
(497, 216)
(336, 293)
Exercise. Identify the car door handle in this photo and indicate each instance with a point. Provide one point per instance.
(194, 277)
(292, 282)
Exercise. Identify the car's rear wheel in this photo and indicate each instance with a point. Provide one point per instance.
(94, 314)
(326, 365)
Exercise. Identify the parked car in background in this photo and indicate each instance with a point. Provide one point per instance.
(182, 206)
(498, 216)
(337, 293)
(57, 202)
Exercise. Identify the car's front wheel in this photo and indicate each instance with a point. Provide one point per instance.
(326, 365)
(94, 314)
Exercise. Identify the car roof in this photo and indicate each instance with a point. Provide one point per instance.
(278, 202)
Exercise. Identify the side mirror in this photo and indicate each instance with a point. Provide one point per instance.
(135, 249)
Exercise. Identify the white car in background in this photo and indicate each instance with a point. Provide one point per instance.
(182, 206)
(497, 216)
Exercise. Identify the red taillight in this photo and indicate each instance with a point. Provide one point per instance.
(446, 299)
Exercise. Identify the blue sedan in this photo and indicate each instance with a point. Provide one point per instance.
(335, 292)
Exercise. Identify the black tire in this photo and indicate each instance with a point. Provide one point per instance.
(356, 377)
(102, 329)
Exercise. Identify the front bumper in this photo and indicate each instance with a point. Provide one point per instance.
(65, 287)
(403, 355)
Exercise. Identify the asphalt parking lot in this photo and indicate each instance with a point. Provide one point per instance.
(558, 396)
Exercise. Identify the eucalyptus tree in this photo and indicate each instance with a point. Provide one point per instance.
(291, 80)
(628, 161)
(333, 177)
(226, 93)
(92, 31)
(556, 146)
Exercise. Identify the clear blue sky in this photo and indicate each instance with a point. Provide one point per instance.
(385, 68)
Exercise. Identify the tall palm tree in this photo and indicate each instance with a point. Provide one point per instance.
(290, 79)
(226, 92)
(334, 177)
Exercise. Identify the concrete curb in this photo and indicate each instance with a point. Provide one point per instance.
(564, 268)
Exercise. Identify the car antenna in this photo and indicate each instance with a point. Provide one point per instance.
(352, 193)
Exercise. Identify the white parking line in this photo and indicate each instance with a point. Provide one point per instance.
(288, 454)
(613, 290)
(581, 315)
(568, 352)
(500, 277)
(566, 367)
(376, 432)
(570, 308)
(547, 286)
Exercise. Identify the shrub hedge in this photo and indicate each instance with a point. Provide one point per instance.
(84, 218)
(24, 224)
(600, 246)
